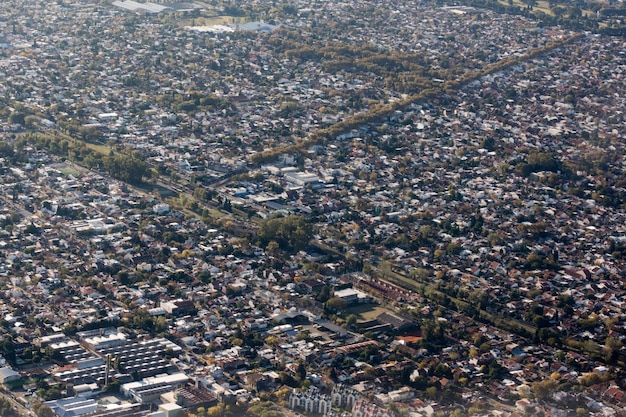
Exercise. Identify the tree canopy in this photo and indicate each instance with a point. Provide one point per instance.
(127, 168)
(291, 233)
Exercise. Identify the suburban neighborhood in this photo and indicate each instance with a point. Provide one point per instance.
(312, 209)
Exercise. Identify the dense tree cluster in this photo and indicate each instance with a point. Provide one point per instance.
(405, 72)
(539, 161)
(42, 410)
(127, 166)
(6, 150)
(291, 233)
(193, 102)
(6, 409)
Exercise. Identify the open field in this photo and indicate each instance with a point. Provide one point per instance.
(103, 149)
(70, 170)
(544, 6)
(211, 21)
(541, 5)
(155, 188)
(366, 312)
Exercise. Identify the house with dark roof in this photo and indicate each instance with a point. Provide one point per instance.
(397, 322)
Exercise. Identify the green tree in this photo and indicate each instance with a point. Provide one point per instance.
(42, 410)
(216, 411)
(431, 330)
(335, 304)
(6, 150)
(17, 118)
(611, 349)
(6, 409)
(291, 233)
(200, 194)
(544, 389)
(142, 319)
(272, 247)
(351, 320)
(7, 349)
(128, 168)
(324, 294)
(459, 412)
(263, 409)
(301, 372)
(589, 379)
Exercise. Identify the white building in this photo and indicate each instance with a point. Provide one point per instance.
(75, 406)
(150, 389)
(344, 397)
(106, 341)
(311, 401)
(301, 178)
(7, 375)
(161, 209)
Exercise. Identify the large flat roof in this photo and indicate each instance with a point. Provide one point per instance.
(135, 6)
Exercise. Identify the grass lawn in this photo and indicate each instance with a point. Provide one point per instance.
(541, 5)
(211, 21)
(103, 149)
(366, 312)
(151, 188)
(69, 170)
(217, 214)
(544, 6)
